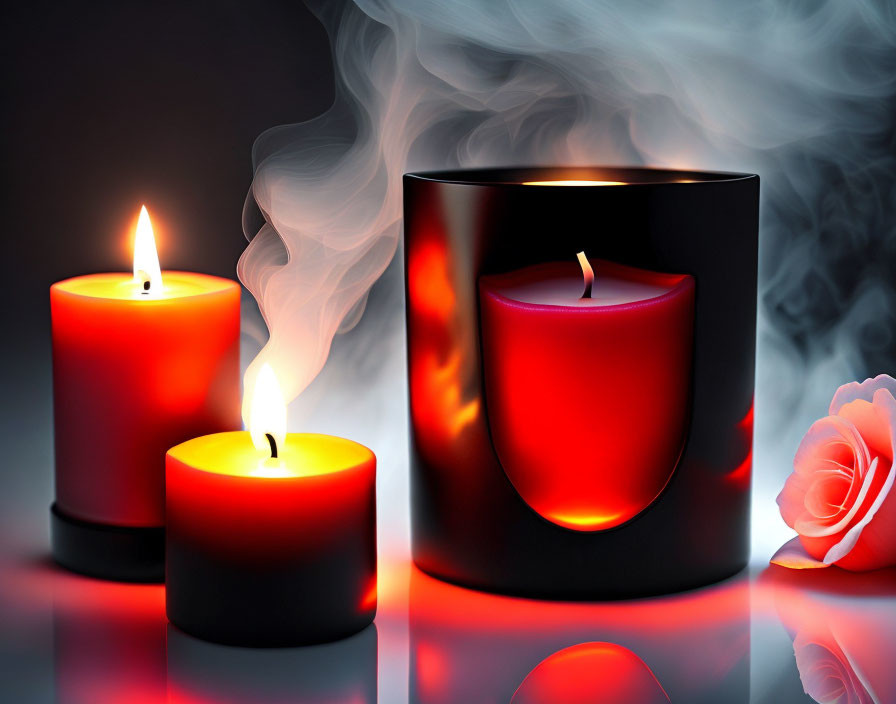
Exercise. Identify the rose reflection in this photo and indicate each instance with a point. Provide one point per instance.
(468, 646)
(843, 630)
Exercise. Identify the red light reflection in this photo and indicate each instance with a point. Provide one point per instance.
(109, 641)
(740, 476)
(474, 646)
(591, 672)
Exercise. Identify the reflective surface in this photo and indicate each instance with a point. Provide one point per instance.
(761, 636)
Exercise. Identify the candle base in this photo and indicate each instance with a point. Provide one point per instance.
(265, 606)
(119, 553)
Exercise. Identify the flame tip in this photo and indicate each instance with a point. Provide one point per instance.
(267, 412)
(147, 272)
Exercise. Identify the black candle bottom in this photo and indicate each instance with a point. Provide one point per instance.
(265, 605)
(119, 553)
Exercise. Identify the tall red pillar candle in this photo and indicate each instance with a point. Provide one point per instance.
(587, 385)
(271, 537)
(140, 363)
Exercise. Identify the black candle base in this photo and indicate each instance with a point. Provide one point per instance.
(265, 606)
(120, 553)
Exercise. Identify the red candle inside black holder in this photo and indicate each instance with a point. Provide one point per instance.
(570, 448)
(605, 353)
(271, 537)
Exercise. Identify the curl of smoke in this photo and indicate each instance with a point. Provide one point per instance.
(801, 93)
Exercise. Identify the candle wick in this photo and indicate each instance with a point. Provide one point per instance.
(146, 285)
(587, 292)
(587, 274)
(273, 444)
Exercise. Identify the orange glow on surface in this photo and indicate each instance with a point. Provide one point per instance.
(301, 455)
(147, 273)
(447, 413)
(369, 600)
(586, 521)
(573, 182)
(429, 283)
(588, 673)
(740, 475)
(449, 607)
(431, 667)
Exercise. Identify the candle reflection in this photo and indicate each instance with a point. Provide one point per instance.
(108, 641)
(473, 646)
(591, 672)
(343, 672)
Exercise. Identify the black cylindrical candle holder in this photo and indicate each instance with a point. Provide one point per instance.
(270, 552)
(472, 523)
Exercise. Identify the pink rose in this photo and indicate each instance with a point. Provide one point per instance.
(839, 498)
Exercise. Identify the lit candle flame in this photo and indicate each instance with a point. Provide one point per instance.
(267, 413)
(587, 273)
(147, 273)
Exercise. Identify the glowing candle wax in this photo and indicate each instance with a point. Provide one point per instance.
(271, 537)
(587, 385)
(140, 363)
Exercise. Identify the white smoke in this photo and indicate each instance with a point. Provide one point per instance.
(801, 93)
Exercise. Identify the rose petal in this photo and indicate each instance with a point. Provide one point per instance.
(871, 543)
(794, 556)
(871, 424)
(865, 391)
(851, 537)
(815, 448)
(810, 527)
(826, 673)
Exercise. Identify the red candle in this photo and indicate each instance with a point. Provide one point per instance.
(140, 363)
(271, 537)
(587, 391)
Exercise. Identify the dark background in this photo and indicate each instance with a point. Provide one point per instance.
(110, 105)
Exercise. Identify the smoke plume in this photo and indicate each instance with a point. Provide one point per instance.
(801, 93)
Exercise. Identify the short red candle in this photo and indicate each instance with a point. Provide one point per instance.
(140, 363)
(587, 397)
(264, 551)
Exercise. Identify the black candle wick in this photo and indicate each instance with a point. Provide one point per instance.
(146, 286)
(587, 292)
(273, 444)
